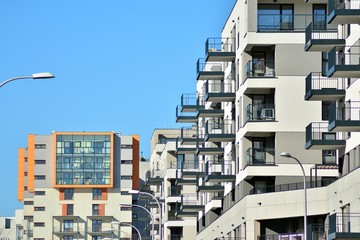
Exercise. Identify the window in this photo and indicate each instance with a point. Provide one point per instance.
(28, 202)
(7, 223)
(29, 218)
(275, 17)
(319, 16)
(40, 146)
(40, 177)
(39, 208)
(95, 209)
(96, 226)
(70, 209)
(68, 225)
(25, 188)
(25, 174)
(38, 193)
(126, 146)
(122, 208)
(40, 161)
(126, 177)
(126, 162)
(68, 238)
(97, 194)
(329, 156)
(68, 194)
(26, 159)
(96, 238)
(39, 224)
(324, 110)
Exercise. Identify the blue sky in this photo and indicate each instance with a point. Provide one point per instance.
(119, 65)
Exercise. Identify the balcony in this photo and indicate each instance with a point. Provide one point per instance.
(219, 130)
(185, 117)
(219, 171)
(344, 12)
(172, 216)
(260, 69)
(202, 187)
(219, 91)
(260, 157)
(188, 135)
(191, 202)
(211, 150)
(321, 38)
(182, 148)
(210, 113)
(188, 173)
(154, 177)
(344, 226)
(188, 102)
(284, 236)
(175, 237)
(283, 22)
(220, 50)
(260, 112)
(317, 231)
(174, 191)
(320, 88)
(209, 70)
(319, 137)
(344, 117)
(344, 65)
(68, 226)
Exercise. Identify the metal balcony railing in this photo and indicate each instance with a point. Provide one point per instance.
(220, 168)
(219, 126)
(285, 236)
(219, 45)
(260, 156)
(341, 4)
(339, 57)
(283, 22)
(203, 66)
(321, 31)
(219, 87)
(315, 81)
(188, 99)
(260, 112)
(260, 69)
(317, 232)
(346, 111)
(319, 131)
(191, 199)
(344, 223)
(172, 216)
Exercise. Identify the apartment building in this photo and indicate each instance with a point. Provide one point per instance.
(278, 66)
(163, 178)
(71, 184)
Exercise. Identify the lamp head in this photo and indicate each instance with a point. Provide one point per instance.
(133, 191)
(285, 154)
(43, 75)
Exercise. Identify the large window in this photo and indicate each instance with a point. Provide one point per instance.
(275, 17)
(97, 194)
(96, 225)
(68, 194)
(70, 209)
(95, 209)
(319, 16)
(68, 225)
(83, 159)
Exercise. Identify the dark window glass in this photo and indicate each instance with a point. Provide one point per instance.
(68, 193)
(40, 161)
(70, 209)
(95, 209)
(40, 146)
(97, 194)
(324, 110)
(39, 192)
(39, 224)
(319, 16)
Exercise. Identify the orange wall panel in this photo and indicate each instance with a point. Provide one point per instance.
(64, 210)
(101, 209)
(136, 161)
(104, 194)
(61, 194)
(31, 162)
(21, 174)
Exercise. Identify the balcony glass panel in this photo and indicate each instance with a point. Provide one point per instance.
(260, 112)
(260, 69)
(260, 156)
(219, 45)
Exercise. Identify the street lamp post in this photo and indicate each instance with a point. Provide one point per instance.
(159, 206)
(43, 75)
(288, 155)
(151, 215)
(127, 224)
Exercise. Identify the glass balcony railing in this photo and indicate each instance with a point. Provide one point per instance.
(223, 126)
(283, 22)
(343, 5)
(174, 191)
(260, 112)
(260, 156)
(219, 87)
(260, 69)
(219, 168)
(192, 199)
(219, 45)
(285, 236)
(317, 232)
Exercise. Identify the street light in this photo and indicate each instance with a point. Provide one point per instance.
(44, 75)
(288, 155)
(133, 191)
(151, 215)
(127, 224)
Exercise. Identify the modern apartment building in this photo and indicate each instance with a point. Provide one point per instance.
(162, 179)
(249, 107)
(71, 184)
